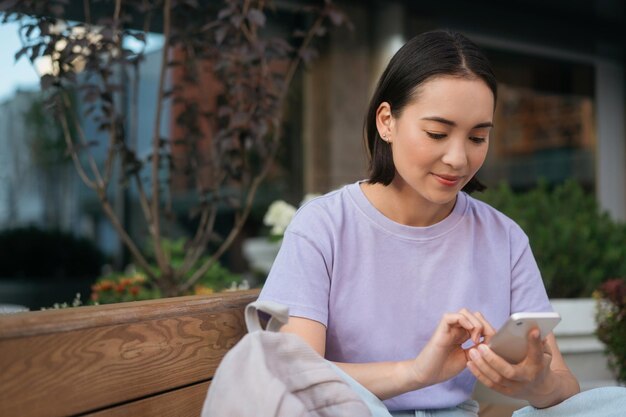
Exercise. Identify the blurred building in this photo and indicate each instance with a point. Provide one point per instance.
(37, 185)
(560, 114)
(38, 181)
(560, 65)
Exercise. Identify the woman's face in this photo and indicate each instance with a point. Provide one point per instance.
(440, 139)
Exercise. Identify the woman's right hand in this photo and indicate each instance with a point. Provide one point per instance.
(443, 357)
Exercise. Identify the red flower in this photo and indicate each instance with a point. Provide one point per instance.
(615, 291)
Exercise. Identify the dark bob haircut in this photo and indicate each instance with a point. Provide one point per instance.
(431, 54)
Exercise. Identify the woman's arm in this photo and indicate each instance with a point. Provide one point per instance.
(384, 379)
(441, 359)
(543, 378)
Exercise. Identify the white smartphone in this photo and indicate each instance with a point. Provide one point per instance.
(511, 341)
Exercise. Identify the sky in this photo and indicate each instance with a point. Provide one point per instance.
(14, 74)
(21, 74)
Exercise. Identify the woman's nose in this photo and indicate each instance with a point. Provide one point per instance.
(455, 154)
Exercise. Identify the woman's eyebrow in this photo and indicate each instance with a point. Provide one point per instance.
(451, 123)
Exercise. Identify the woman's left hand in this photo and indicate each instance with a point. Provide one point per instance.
(526, 380)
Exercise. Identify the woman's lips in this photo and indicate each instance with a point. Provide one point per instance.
(448, 180)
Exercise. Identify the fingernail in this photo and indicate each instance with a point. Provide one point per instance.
(483, 348)
(473, 354)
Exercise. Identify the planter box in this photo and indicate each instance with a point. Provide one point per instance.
(580, 347)
(260, 253)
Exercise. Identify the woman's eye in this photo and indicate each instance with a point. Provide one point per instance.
(433, 135)
(477, 139)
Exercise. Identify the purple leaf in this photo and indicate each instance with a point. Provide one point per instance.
(224, 111)
(8, 4)
(21, 52)
(30, 29)
(308, 55)
(57, 10)
(257, 17)
(336, 16)
(220, 34)
(236, 20)
(224, 13)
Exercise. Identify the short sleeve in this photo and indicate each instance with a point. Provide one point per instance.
(528, 292)
(300, 275)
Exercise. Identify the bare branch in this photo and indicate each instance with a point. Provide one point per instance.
(203, 233)
(143, 201)
(70, 147)
(108, 163)
(87, 11)
(134, 144)
(199, 242)
(240, 221)
(110, 213)
(293, 66)
(156, 141)
(268, 163)
(116, 13)
(83, 143)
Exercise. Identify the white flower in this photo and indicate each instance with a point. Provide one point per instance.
(278, 217)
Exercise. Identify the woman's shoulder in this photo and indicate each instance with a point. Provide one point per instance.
(491, 218)
(322, 211)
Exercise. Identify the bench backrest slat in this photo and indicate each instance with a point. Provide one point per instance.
(186, 401)
(116, 357)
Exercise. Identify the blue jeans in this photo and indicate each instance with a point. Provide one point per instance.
(599, 402)
(468, 408)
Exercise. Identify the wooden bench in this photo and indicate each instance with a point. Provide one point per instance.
(147, 358)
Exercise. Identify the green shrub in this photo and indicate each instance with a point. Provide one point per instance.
(135, 285)
(216, 278)
(31, 252)
(576, 245)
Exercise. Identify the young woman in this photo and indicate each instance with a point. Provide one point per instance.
(399, 279)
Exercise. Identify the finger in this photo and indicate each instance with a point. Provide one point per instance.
(496, 367)
(483, 379)
(546, 347)
(478, 330)
(485, 374)
(488, 331)
(535, 347)
(452, 319)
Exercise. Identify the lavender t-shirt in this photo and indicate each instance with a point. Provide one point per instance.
(381, 287)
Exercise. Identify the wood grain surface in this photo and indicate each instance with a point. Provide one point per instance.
(54, 321)
(118, 353)
(186, 401)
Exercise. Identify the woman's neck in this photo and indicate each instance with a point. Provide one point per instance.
(403, 205)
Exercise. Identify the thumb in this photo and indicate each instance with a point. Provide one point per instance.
(535, 347)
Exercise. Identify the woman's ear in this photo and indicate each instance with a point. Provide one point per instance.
(384, 121)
